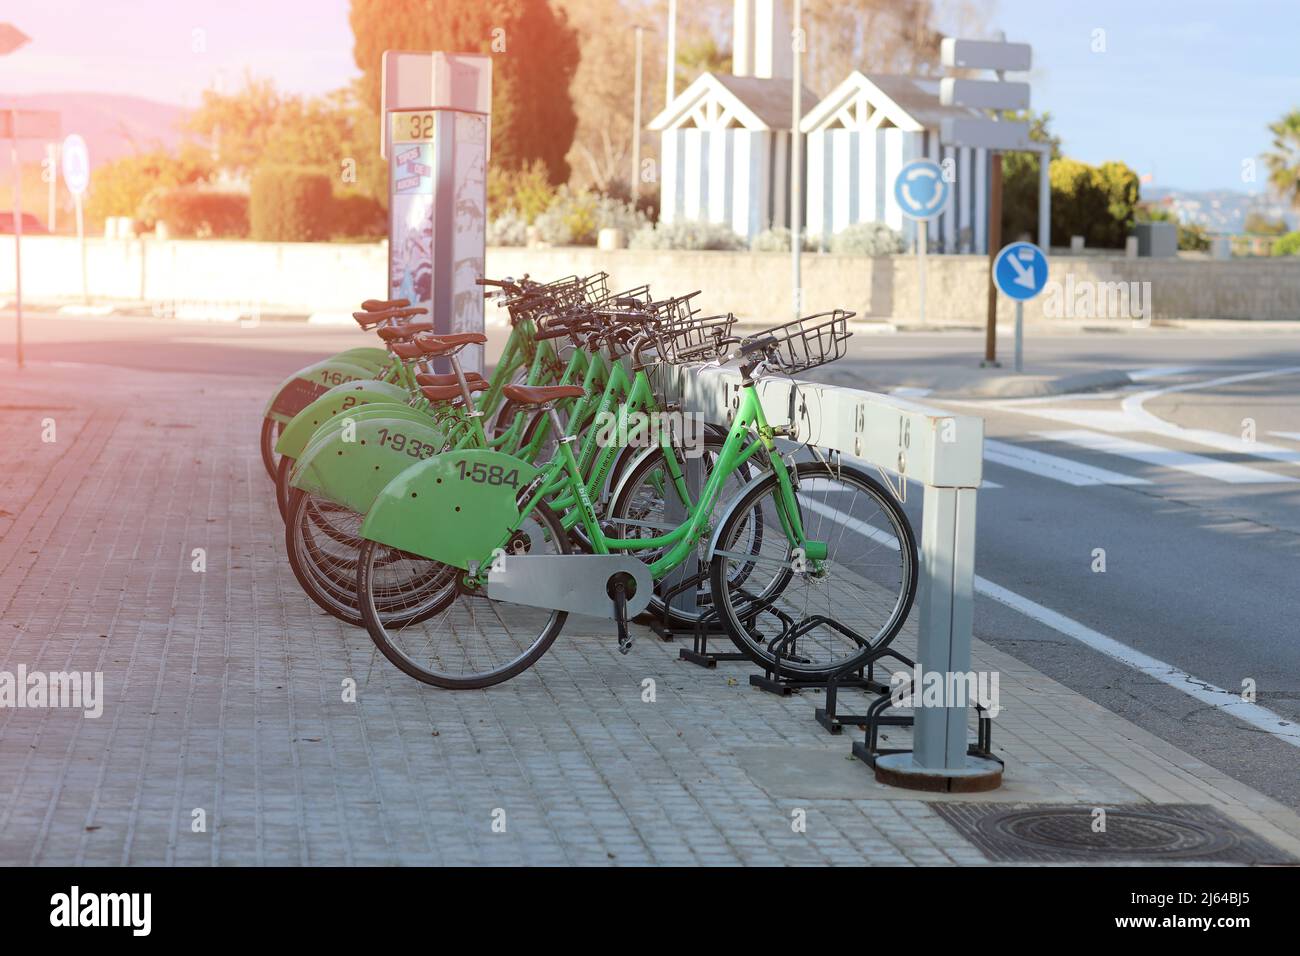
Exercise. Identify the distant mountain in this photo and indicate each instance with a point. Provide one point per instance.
(112, 125)
(1219, 210)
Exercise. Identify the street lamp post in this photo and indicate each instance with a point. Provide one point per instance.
(796, 165)
(634, 182)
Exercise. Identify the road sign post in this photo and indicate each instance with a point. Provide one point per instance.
(76, 176)
(993, 133)
(1020, 272)
(922, 194)
(16, 125)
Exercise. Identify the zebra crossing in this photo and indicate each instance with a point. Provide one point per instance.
(1059, 464)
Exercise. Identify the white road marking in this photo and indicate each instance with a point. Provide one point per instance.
(1207, 693)
(1166, 458)
(1051, 466)
(1103, 419)
(1146, 421)
(1218, 698)
(1292, 436)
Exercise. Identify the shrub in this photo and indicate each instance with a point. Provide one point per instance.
(355, 215)
(192, 212)
(1288, 245)
(778, 240)
(287, 204)
(576, 216)
(507, 229)
(693, 235)
(867, 239)
(527, 192)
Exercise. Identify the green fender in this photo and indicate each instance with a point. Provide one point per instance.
(367, 356)
(334, 403)
(448, 508)
(364, 413)
(351, 470)
(308, 384)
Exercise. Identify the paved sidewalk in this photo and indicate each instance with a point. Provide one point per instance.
(223, 694)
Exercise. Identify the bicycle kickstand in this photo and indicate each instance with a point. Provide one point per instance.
(618, 592)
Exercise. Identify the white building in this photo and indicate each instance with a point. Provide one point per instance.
(859, 137)
(725, 152)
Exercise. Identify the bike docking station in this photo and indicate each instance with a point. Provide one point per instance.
(944, 453)
(435, 137)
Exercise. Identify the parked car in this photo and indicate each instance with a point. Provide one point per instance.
(31, 225)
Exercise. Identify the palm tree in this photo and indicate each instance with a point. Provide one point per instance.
(1284, 159)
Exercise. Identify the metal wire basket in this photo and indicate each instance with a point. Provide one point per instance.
(693, 339)
(808, 342)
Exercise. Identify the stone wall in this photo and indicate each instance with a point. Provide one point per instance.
(333, 277)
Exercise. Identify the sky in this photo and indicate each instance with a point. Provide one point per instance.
(1182, 91)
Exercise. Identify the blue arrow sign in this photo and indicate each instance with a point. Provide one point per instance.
(921, 190)
(1020, 270)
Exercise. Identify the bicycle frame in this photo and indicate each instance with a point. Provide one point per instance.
(740, 446)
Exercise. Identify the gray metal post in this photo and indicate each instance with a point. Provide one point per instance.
(1045, 201)
(1020, 336)
(923, 241)
(18, 236)
(634, 182)
(945, 602)
(796, 166)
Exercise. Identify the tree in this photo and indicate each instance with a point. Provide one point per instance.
(1283, 160)
(1258, 224)
(121, 187)
(1020, 177)
(534, 54)
(258, 125)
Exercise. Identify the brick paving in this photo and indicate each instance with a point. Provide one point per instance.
(224, 694)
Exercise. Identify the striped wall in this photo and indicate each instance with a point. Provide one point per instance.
(733, 176)
(851, 179)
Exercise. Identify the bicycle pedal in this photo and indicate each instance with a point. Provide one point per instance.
(625, 646)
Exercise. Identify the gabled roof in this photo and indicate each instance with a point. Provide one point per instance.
(909, 102)
(718, 100)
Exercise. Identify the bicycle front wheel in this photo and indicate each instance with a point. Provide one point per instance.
(455, 639)
(818, 616)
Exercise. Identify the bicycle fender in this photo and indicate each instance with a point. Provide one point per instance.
(448, 509)
(308, 384)
(352, 467)
(331, 404)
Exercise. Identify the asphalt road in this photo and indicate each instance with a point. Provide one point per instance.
(1200, 530)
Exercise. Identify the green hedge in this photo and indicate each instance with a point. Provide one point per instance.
(289, 204)
(1288, 245)
(1096, 202)
(192, 213)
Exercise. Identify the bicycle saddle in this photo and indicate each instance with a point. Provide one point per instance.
(405, 331)
(440, 393)
(541, 394)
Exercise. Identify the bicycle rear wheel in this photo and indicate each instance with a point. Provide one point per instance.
(818, 616)
(270, 434)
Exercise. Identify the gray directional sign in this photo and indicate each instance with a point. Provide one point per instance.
(984, 94)
(998, 135)
(985, 55)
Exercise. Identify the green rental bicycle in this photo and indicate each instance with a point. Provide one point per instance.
(813, 562)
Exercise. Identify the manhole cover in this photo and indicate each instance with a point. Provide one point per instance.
(1134, 832)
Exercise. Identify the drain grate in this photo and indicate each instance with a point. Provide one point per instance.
(1144, 832)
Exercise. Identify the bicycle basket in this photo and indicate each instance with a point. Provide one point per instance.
(808, 342)
(694, 339)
